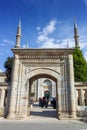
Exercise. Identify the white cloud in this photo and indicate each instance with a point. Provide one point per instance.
(85, 55)
(49, 28)
(45, 40)
(24, 45)
(8, 41)
(52, 43)
(43, 35)
(85, 2)
(83, 45)
(83, 42)
(41, 38)
(1, 70)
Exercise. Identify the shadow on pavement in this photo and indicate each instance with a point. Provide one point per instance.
(44, 113)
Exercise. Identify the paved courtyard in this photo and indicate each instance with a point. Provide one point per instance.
(42, 125)
(42, 119)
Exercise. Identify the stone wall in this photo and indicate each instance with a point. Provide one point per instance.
(2, 77)
(81, 97)
(3, 93)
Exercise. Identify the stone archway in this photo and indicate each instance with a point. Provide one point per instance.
(57, 64)
(30, 85)
(31, 75)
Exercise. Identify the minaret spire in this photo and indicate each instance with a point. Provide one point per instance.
(19, 25)
(67, 44)
(18, 35)
(75, 24)
(76, 35)
(27, 45)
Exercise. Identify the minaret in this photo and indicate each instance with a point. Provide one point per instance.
(67, 44)
(76, 35)
(26, 45)
(18, 35)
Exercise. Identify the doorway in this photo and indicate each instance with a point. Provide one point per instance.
(41, 89)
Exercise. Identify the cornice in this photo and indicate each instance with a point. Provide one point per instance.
(43, 50)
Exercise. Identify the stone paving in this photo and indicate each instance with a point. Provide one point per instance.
(49, 115)
(39, 114)
(42, 119)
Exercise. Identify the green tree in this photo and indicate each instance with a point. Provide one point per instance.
(80, 66)
(8, 66)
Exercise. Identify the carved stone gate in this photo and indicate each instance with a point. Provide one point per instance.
(30, 64)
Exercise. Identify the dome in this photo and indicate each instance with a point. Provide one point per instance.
(47, 83)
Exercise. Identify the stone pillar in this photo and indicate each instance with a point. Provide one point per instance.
(2, 98)
(19, 90)
(71, 87)
(77, 97)
(59, 98)
(81, 96)
(13, 88)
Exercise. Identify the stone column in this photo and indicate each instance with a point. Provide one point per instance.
(59, 98)
(2, 97)
(71, 87)
(13, 88)
(19, 90)
(77, 97)
(81, 96)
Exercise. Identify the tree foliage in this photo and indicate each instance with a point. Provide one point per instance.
(80, 66)
(8, 66)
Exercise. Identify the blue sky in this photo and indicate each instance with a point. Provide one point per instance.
(44, 23)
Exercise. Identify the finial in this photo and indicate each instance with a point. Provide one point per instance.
(27, 45)
(68, 44)
(19, 22)
(75, 24)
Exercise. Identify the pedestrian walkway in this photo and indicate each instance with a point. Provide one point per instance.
(48, 114)
(42, 114)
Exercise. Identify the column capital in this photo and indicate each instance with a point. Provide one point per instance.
(16, 56)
